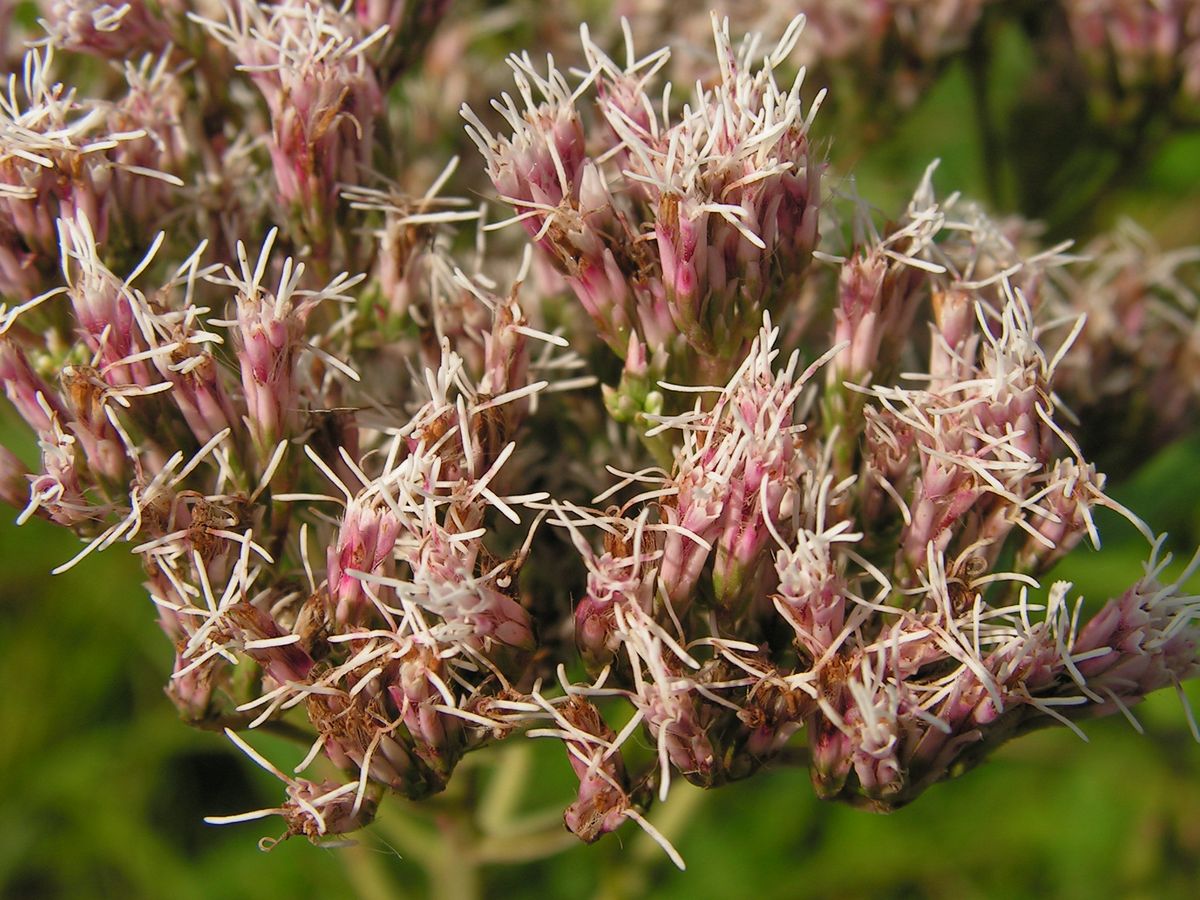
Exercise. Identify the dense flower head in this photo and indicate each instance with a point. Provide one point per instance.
(727, 188)
(107, 30)
(60, 156)
(309, 62)
(379, 504)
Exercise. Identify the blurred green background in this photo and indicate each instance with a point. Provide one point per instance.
(104, 790)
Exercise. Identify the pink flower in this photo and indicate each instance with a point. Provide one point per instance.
(106, 30)
(271, 337)
(366, 542)
(309, 61)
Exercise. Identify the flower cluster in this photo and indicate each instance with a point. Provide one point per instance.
(834, 458)
(1140, 340)
(63, 157)
(108, 31)
(881, 57)
(323, 98)
(673, 230)
(753, 596)
(1139, 45)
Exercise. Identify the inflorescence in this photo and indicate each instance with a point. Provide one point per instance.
(830, 463)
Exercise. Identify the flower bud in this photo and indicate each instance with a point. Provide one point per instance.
(437, 736)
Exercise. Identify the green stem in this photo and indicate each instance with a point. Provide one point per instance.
(447, 856)
(457, 872)
(289, 731)
(670, 818)
(368, 878)
(499, 802)
(524, 848)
